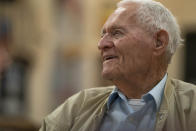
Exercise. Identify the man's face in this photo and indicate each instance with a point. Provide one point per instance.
(126, 48)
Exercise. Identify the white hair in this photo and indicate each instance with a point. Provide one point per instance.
(153, 16)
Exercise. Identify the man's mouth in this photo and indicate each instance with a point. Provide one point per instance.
(109, 57)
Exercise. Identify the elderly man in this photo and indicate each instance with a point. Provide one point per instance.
(137, 43)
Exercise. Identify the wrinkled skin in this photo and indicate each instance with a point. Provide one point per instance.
(128, 52)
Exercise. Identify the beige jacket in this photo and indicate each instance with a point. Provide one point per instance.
(84, 111)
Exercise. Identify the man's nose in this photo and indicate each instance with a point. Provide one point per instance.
(105, 43)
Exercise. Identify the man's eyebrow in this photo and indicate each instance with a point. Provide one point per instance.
(114, 27)
(117, 27)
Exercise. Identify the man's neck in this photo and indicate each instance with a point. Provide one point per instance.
(136, 86)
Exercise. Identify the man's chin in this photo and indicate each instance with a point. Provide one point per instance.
(107, 75)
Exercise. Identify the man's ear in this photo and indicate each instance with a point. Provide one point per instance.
(161, 42)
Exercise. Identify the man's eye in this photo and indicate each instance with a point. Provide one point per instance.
(102, 34)
(116, 33)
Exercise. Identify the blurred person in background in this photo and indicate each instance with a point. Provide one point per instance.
(137, 43)
(10, 119)
(4, 46)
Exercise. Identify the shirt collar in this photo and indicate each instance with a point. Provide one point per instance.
(112, 97)
(115, 93)
(156, 93)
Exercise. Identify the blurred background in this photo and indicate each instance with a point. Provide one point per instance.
(53, 45)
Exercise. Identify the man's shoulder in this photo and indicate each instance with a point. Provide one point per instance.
(180, 85)
(91, 94)
(184, 92)
(76, 105)
(184, 101)
(98, 90)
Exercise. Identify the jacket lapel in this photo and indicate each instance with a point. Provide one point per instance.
(163, 112)
(96, 121)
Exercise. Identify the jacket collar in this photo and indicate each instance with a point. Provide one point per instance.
(155, 93)
(99, 115)
(163, 112)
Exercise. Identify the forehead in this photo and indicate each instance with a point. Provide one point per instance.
(123, 15)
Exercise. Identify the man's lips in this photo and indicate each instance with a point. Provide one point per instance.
(109, 57)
